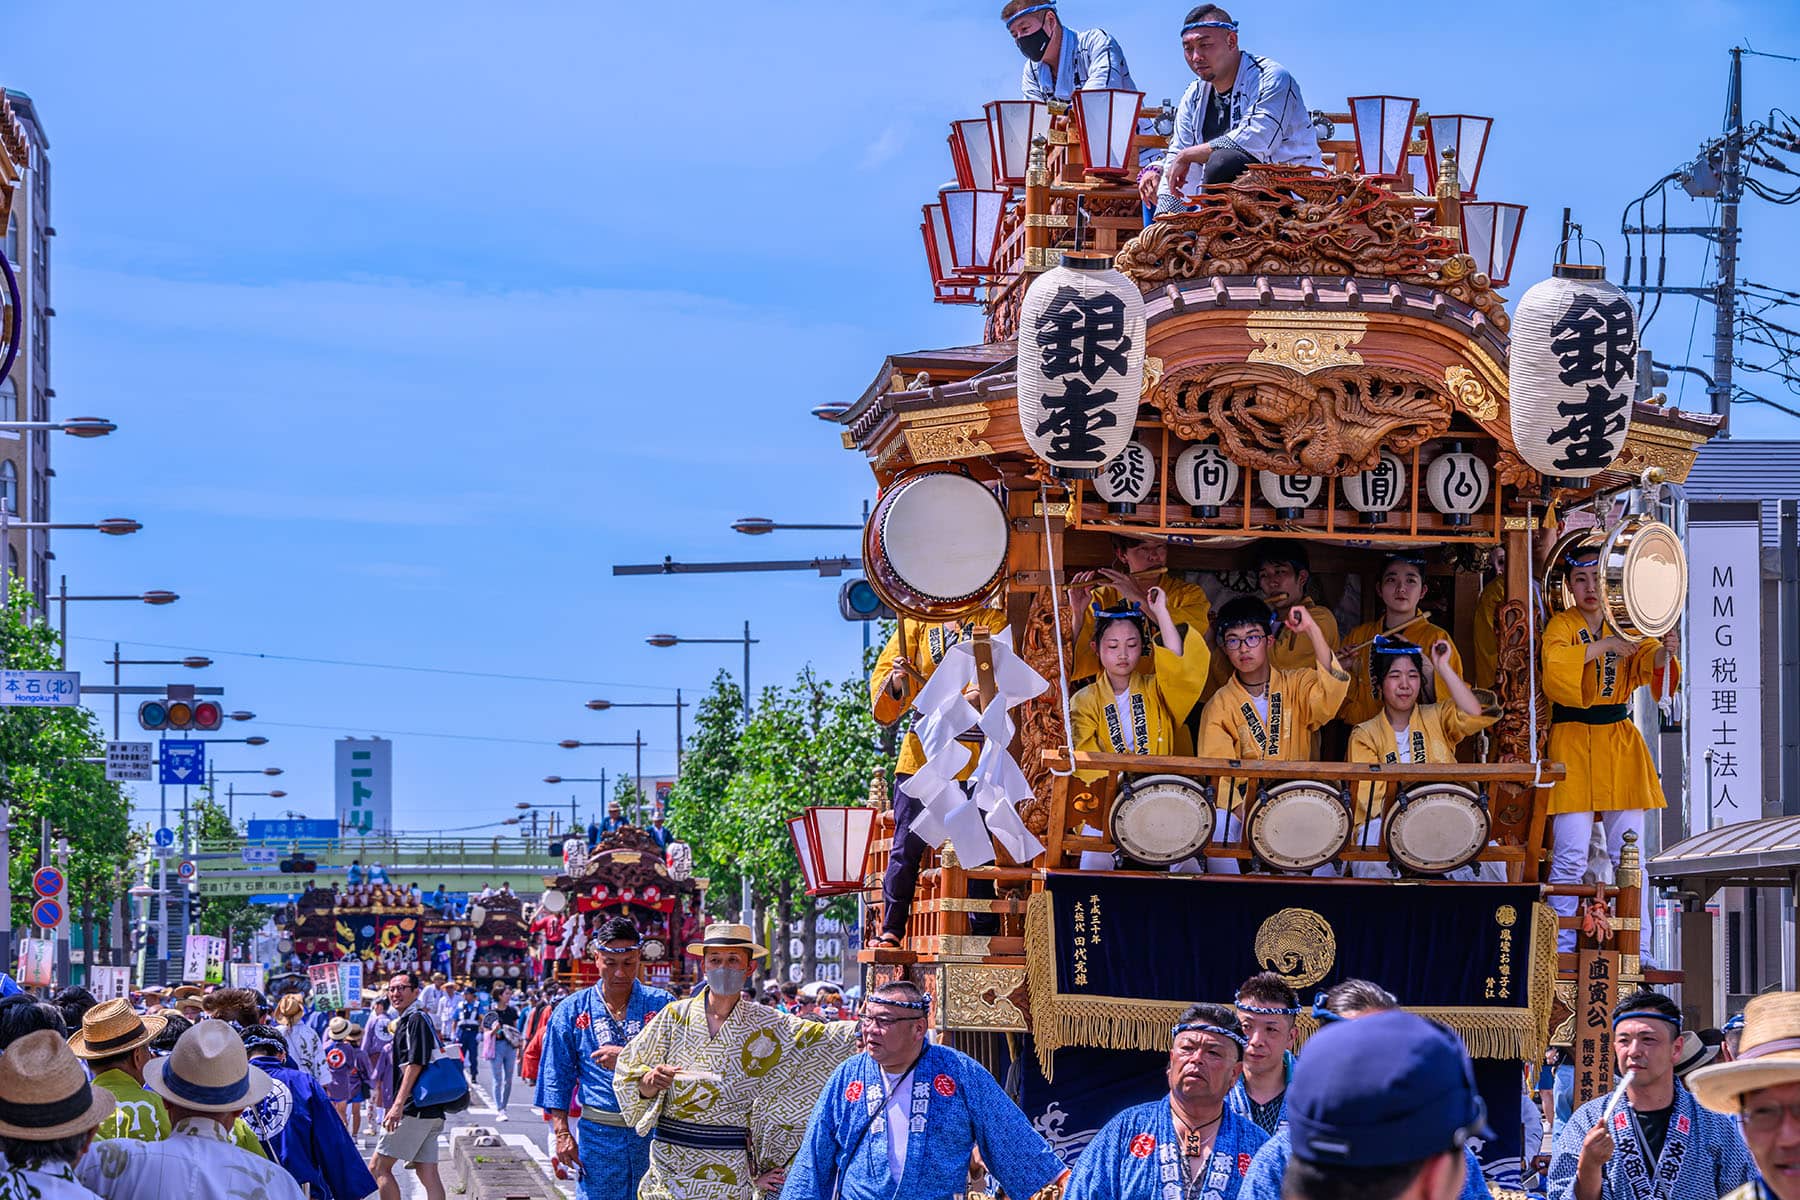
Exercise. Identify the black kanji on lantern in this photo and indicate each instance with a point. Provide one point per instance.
(1127, 471)
(1595, 341)
(1080, 340)
(1381, 487)
(1073, 418)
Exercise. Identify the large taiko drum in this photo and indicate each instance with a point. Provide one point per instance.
(1435, 828)
(1643, 578)
(935, 546)
(1299, 825)
(1161, 820)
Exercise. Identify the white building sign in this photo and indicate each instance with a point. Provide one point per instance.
(1724, 671)
(365, 787)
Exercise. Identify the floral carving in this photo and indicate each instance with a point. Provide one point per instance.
(1041, 728)
(1513, 732)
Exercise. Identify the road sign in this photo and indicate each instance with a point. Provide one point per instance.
(261, 856)
(47, 913)
(297, 829)
(40, 689)
(129, 762)
(182, 762)
(188, 869)
(165, 836)
(47, 881)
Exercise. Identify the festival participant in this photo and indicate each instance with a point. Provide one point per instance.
(1734, 1032)
(1487, 623)
(897, 1122)
(297, 1123)
(1263, 711)
(348, 1069)
(48, 1114)
(1699, 1048)
(1659, 1142)
(468, 1032)
(115, 1044)
(1243, 109)
(1383, 1107)
(1407, 731)
(908, 660)
(1589, 676)
(1761, 1088)
(1269, 1011)
(723, 1084)
(502, 1024)
(1283, 579)
(303, 1043)
(1190, 1144)
(582, 1041)
(1346, 1001)
(1138, 702)
(1139, 565)
(409, 1130)
(1060, 61)
(1401, 588)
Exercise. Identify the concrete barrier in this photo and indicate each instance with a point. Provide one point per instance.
(490, 1168)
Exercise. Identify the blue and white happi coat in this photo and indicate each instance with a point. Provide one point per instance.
(1137, 1156)
(1704, 1154)
(1269, 1167)
(1238, 1100)
(955, 1105)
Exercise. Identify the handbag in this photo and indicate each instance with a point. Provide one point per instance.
(442, 1084)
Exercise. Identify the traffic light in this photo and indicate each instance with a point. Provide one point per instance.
(202, 716)
(857, 601)
(298, 864)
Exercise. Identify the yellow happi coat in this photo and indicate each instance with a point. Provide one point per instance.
(1299, 702)
(1364, 698)
(1289, 649)
(1149, 718)
(1609, 767)
(1432, 737)
(1487, 633)
(926, 645)
(1188, 606)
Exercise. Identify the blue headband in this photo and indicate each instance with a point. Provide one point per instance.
(631, 949)
(1026, 12)
(1193, 25)
(1321, 1013)
(1736, 1022)
(915, 1005)
(1268, 1012)
(1239, 1038)
(1132, 611)
(1648, 1014)
(1383, 644)
(1590, 558)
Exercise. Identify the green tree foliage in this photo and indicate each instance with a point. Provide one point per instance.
(218, 915)
(630, 799)
(711, 759)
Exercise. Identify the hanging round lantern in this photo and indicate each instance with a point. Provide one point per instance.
(1289, 495)
(1125, 481)
(1081, 364)
(1377, 491)
(1572, 373)
(1206, 479)
(1457, 484)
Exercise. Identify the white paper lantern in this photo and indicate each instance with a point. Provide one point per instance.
(1290, 495)
(1127, 480)
(1379, 490)
(1081, 364)
(1457, 483)
(1206, 479)
(1572, 373)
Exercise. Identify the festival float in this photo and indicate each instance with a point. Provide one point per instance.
(626, 874)
(385, 930)
(1310, 356)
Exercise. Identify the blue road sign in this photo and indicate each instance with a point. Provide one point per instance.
(308, 829)
(165, 836)
(182, 763)
(46, 913)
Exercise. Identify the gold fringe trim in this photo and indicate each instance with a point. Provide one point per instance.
(1125, 1023)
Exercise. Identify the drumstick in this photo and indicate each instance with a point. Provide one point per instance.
(1618, 1096)
(1383, 633)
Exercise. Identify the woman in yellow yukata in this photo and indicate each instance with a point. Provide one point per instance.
(1589, 676)
(1406, 731)
(1401, 588)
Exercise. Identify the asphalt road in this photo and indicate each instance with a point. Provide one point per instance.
(523, 1128)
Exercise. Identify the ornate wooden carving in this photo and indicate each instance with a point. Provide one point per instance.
(1513, 732)
(1276, 222)
(1334, 421)
(1041, 727)
(1002, 323)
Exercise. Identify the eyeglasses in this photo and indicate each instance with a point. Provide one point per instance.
(1767, 1118)
(875, 1022)
(1248, 641)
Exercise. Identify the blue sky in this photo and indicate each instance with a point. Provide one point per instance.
(416, 318)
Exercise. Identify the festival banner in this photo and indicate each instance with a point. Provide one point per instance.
(325, 980)
(37, 962)
(1114, 958)
(350, 981)
(248, 975)
(109, 983)
(1093, 1087)
(203, 960)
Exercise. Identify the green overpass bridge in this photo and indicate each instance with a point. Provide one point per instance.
(460, 864)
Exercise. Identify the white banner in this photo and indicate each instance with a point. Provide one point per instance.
(37, 962)
(203, 960)
(365, 787)
(248, 975)
(1724, 672)
(109, 983)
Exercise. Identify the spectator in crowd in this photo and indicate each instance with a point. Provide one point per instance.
(73, 1003)
(502, 1022)
(297, 1122)
(409, 1130)
(25, 1013)
(303, 1041)
(48, 1114)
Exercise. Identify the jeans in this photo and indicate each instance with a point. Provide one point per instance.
(470, 1040)
(505, 1057)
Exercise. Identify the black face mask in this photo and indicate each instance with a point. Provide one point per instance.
(1033, 45)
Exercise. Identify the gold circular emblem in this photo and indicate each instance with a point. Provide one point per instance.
(1298, 945)
(1506, 915)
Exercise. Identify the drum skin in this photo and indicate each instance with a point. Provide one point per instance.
(1643, 579)
(1299, 825)
(1435, 828)
(1161, 820)
(935, 546)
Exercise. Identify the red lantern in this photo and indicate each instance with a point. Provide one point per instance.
(1384, 126)
(973, 153)
(1468, 137)
(1491, 236)
(1106, 120)
(832, 844)
(972, 219)
(1012, 124)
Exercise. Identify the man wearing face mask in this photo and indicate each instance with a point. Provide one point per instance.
(723, 1085)
(1060, 61)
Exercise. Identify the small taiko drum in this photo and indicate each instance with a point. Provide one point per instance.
(935, 546)
(1435, 828)
(1643, 578)
(553, 901)
(1299, 825)
(1160, 820)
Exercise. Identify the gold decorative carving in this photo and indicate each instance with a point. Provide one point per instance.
(979, 996)
(1631, 968)
(1511, 524)
(1562, 1014)
(942, 443)
(1298, 944)
(1041, 725)
(1466, 386)
(1307, 341)
(1513, 734)
(965, 945)
(1335, 421)
(1153, 375)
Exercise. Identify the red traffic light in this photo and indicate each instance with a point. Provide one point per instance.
(208, 715)
(181, 715)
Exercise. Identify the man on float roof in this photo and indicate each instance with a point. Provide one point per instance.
(1060, 61)
(1244, 108)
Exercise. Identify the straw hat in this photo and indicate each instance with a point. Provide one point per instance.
(725, 935)
(190, 1007)
(111, 1028)
(1768, 1055)
(339, 1029)
(44, 1093)
(208, 1071)
(1698, 1048)
(186, 990)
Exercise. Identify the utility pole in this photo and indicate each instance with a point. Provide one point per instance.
(1731, 191)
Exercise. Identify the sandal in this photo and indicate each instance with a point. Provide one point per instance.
(887, 941)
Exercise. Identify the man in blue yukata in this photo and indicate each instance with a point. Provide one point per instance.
(582, 1042)
(1382, 1108)
(897, 1121)
(1269, 1011)
(298, 1125)
(1189, 1146)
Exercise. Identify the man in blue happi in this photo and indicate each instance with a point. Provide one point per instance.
(1269, 1011)
(468, 1031)
(1658, 1143)
(581, 1044)
(298, 1125)
(1189, 1146)
(897, 1121)
(1346, 1001)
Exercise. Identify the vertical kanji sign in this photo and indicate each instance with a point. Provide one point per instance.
(1596, 991)
(1724, 663)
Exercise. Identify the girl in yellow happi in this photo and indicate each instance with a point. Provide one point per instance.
(1401, 588)
(1138, 706)
(1589, 676)
(1406, 731)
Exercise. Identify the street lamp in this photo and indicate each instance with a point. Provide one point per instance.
(231, 795)
(637, 742)
(677, 704)
(116, 526)
(761, 525)
(81, 427)
(574, 815)
(63, 598)
(666, 640)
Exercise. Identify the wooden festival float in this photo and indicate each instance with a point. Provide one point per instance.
(332, 924)
(626, 874)
(1325, 358)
